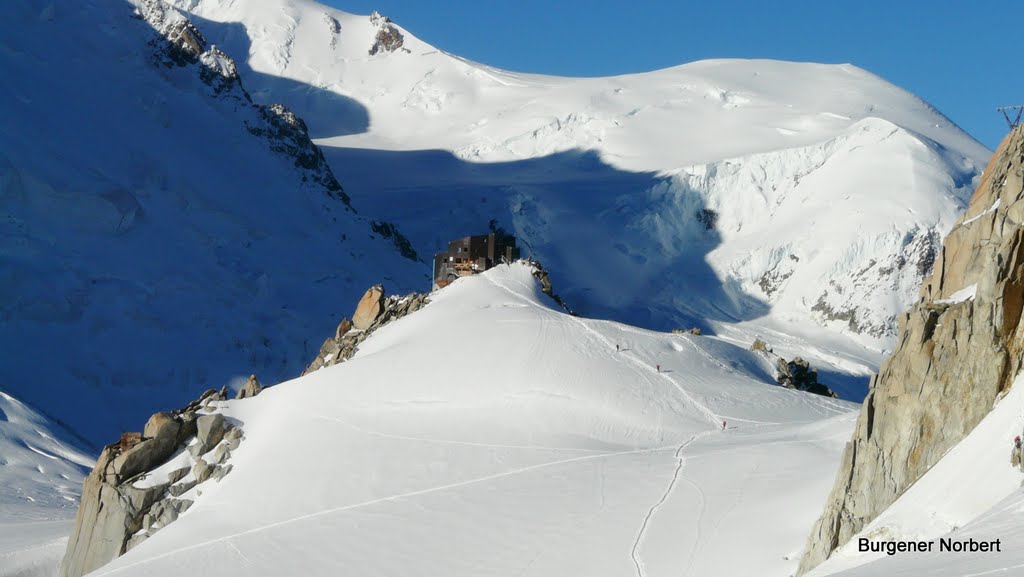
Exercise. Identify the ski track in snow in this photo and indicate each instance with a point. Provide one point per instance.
(390, 498)
(713, 418)
(635, 551)
(670, 498)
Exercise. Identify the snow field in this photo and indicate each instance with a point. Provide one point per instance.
(489, 434)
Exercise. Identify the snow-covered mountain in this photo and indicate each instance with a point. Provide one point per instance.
(160, 233)
(41, 474)
(446, 447)
(167, 227)
(787, 194)
(176, 235)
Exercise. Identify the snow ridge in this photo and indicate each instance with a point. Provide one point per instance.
(587, 447)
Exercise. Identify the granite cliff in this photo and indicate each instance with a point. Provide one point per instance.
(143, 482)
(959, 348)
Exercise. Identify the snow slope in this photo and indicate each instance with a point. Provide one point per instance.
(490, 434)
(151, 245)
(40, 482)
(830, 188)
(973, 492)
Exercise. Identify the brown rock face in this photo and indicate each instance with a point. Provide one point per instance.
(161, 425)
(110, 511)
(388, 38)
(346, 341)
(251, 388)
(955, 356)
(114, 514)
(369, 308)
(343, 327)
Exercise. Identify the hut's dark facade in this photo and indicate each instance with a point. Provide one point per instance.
(473, 254)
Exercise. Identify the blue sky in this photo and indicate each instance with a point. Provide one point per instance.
(959, 56)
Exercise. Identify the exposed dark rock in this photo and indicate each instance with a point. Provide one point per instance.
(798, 374)
(210, 430)
(251, 388)
(917, 255)
(218, 71)
(375, 308)
(343, 327)
(772, 281)
(334, 26)
(178, 489)
(177, 475)
(115, 513)
(161, 425)
(795, 374)
(287, 134)
(181, 43)
(545, 285)
(146, 455)
(202, 470)
(220, 454)
(708, 218)
(220, 471)
(388, 38)
(760, 345)
(233, 437)
(403, 244)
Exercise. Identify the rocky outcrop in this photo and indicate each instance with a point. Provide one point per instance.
(369, 308)
(178, 43)
(795, 374)
(251, 388)
(374, 311)
(288, 135)
(145, 481)
(182, 43)
(401, 242)
(388, 38)
(546, 287)
(959, 348)
(334, 27)
(798, 374)
(915, 260)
